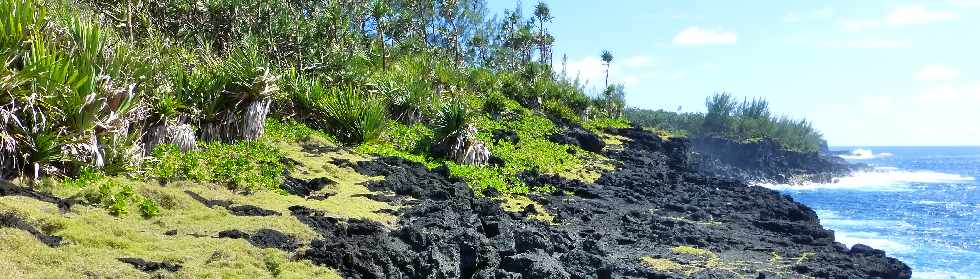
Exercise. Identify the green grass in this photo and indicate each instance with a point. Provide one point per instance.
(94, 239)
(533, 152)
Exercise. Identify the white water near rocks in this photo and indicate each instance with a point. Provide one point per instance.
(920, 205)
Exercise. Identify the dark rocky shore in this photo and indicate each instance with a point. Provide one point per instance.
(661, 214)
(765, 161)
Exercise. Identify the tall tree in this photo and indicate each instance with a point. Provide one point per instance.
(607, 59)
(543, 15)
(379, 11)
(564, 66)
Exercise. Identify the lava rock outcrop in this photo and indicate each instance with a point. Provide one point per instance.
(655, 202)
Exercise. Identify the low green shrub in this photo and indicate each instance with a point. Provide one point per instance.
(452, 121)
(244, 166)
(729, 118)
(290, 130)
(114, 195)
(562, 111)
(598, 124)
(349, 114)
(480, 178)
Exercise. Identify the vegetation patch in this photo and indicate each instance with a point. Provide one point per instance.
(523, 204)
(689, 261)
(742, 121)
(243, 166)
(661, 264)
(94, 239)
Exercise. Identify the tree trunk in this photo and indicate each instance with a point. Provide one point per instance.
(607, 77)
(253, 125)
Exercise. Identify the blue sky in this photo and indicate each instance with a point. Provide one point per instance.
(865, 72)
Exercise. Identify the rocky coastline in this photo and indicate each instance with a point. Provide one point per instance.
(666, 211)
(765, 161)
(659, 215)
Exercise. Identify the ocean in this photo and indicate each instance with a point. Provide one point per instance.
(919, 204)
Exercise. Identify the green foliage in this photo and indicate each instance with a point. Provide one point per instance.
(452, 120)
(720, 116)
(117, 196)
(347, 113)
(599, 124)
(69, 87)
(85, 178)
(290, 130)
(725, 117)
(149, 208)
(495, 103)
(353, 116)
(330, 70)
(408, 92)
(243, 166)
(480, 178)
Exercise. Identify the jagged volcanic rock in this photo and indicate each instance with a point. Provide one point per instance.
(654, 203)
(765, 161)
(150, 266)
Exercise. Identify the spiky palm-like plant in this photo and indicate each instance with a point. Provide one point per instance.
(346, 112)
(233, 94)
(456, 137)
(69, 88)
(607, 59)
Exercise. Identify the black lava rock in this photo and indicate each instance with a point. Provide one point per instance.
(10, 220)
(264, 238)
(150, 266)
(251, 210)
(304, 188)
(655, 200)
(579, 137)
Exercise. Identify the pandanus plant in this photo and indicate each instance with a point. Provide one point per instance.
(456, 137)
(228, 97)
(68, 92)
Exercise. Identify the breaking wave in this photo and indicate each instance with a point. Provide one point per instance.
(864, 154)
(879, 179)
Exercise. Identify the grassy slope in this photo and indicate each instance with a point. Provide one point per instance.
(95, 238)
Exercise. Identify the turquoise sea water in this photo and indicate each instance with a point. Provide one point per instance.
(919, 204)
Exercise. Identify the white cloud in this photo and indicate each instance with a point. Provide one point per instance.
(699, 36)
(937, 72)
(859, 24)
(825, 13)
(900, 16)
(820, 14)
(952, 95)
(637, 61)
(791, 18)
(966, 3)
(915, 119)
(588, 69)
(865, 43)
(917, 14)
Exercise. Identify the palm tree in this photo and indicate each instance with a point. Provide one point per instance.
(607, 59)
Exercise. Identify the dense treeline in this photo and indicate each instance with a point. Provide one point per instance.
(97, 85)
(727, 117)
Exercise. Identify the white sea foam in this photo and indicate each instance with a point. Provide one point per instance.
(872, 239)
(880, 179)
(864, 154)
(940, 203)
(858, 223)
